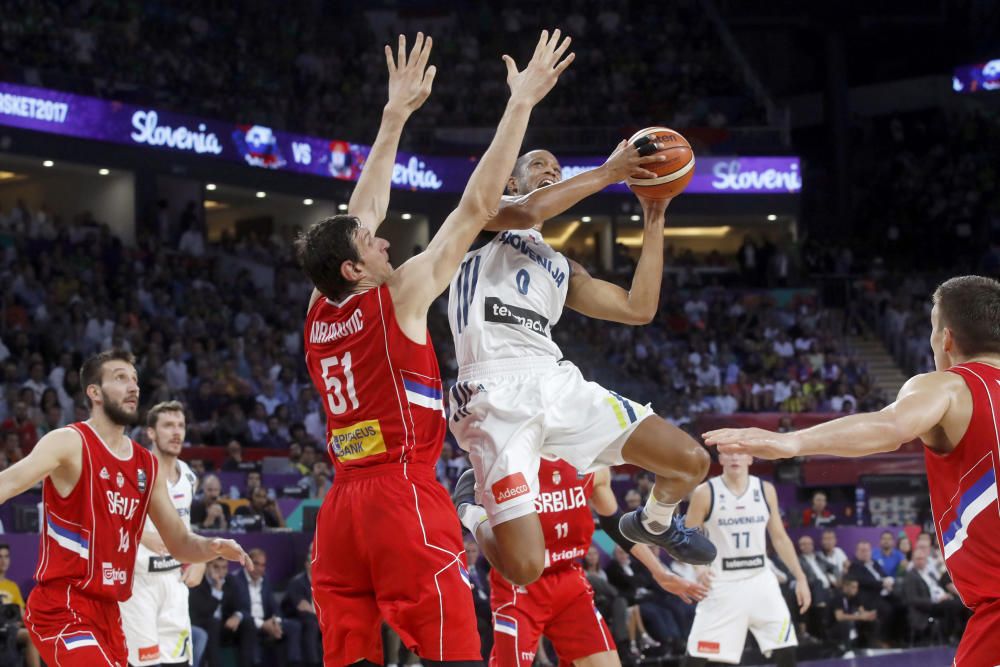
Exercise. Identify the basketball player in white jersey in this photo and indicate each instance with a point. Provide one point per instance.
(737, 509)
(155, 619)
(516, 402)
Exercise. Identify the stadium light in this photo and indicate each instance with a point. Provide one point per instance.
(210, 186)
(635, 218)
(406, 216)
(103, 172)
(585, 218)
(48, 163)
(772, 217)
(307, 201)
(261, 194)
(341, 207)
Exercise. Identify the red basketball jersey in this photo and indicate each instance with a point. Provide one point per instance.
(563, 506)
(963, 490)
(89, 538)
(381, 390)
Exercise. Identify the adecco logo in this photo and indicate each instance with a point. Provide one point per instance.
(510, 487)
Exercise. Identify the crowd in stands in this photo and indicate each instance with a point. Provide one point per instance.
(248, 63)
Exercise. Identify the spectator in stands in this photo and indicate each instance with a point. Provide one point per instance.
(635, 584)
(480, 584)
(928, 602)
(20, 422)
(891, 559)
(205, 604)
(310, 454)
(234, 460)
(253, 482)
(906, 548)
(926, 542)
(818, 515)
(875, 587)
(252, 616)
(208, 512)
(258, 424)
(298, 604)
(318, 483)
(612, 605)
(10, 593)
(263, 508)
(856, 625)
(274, 437)
(633, 500)
(822, 580)
(833, 554)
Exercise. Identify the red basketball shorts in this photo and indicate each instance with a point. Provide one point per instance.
(980, 645)
(70, 629)
(389, 546)
(559, 605)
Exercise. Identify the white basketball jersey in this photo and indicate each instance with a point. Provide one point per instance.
(737, 526)
(181, 494)
(506, 297)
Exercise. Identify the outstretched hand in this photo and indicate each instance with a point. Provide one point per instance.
(410, 79)
(754, 441)
(688, 591)
(627, 160)
(230, 550)
(535, 81)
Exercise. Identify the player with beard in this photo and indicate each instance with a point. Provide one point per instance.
(155, 619)
(515, 401)
(98, 486)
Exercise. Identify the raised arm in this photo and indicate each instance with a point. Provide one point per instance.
(603, 300)
(61, 448)
(785, 549)
(534, 208)
(182, 544)
(921, 406)
(409, 86)
(420, 280)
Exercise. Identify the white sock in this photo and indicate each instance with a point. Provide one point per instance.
(656, 516)
(471, 516)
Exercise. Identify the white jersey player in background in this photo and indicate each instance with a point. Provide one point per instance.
(516, 401)
(156, 619)
(737, 509)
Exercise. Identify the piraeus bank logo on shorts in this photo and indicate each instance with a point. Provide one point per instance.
(358, 441)
(498, 311)
(510, 487)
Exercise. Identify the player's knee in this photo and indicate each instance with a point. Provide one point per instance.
(524, 568)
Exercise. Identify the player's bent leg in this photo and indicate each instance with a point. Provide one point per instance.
(679, 464)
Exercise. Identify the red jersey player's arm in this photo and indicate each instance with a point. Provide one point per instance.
(638, 305)
(922, 405)
(420, 280)
(59, 454)
(184, 545)
(534, 208)
(410, 83)
(785, 549)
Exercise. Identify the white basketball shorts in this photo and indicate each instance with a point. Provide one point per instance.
(156, 619)
(722, 619)
(509, 414)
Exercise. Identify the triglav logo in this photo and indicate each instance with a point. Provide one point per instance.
(112, 576)
(149, 132)
(415, 174)
(730, 176)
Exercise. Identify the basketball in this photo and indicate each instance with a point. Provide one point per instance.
(674, 174)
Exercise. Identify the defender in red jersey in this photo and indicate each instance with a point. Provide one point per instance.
(98, 487)
(560, 604)
(388, 544)
(954, 411)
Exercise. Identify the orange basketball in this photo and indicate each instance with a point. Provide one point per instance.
(673, 174)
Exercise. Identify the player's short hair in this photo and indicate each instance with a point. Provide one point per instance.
(93, 368)
(970, 307)
(166, 406)
(322, 247)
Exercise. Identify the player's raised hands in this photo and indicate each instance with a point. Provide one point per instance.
(535, 81)
(627, 160)
(231, 550)
(410, 78)
(754, 441)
